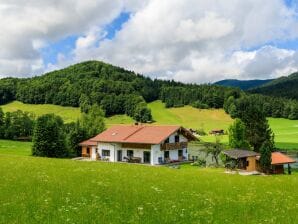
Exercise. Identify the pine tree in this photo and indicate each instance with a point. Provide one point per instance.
(265, 151)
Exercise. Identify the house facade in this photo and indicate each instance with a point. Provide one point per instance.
(139, 143)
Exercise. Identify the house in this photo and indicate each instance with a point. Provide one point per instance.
(249, 160)
(139, 143)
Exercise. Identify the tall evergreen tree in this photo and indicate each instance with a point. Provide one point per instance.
(250, 111)
(265, 151)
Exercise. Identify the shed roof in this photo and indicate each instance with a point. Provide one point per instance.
(140, 134)
(239, 153)
(280, 158)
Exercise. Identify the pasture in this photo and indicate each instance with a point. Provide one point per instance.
(286, 131)
(42, 190)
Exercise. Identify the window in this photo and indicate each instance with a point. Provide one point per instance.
(167, 154)
(180, 153)
(105, 152)
(176, 138)
(167, 140)
(247, 163)
(129, 153)
(88, 150)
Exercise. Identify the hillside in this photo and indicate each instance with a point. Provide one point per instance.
(242, 84)
(286, 87)
(285, 130)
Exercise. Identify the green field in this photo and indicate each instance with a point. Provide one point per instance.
(286, 131)
(68, 114)
(41, 190)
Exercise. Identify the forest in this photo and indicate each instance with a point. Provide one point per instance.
(118, 91)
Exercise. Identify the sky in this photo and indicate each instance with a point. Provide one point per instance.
(193, 41)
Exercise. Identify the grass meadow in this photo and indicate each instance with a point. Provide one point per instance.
(42, 190)
(286, 131)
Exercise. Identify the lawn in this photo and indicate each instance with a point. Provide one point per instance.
(41, 190)
(8, 147)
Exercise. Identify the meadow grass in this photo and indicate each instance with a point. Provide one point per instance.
(41, 190)
(8, 147)
(68, 114)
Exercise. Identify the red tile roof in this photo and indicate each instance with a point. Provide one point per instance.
(280, 158)
(88, 142)
(139, 134)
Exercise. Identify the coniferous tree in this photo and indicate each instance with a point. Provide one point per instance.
(251, 113)
(265, 151)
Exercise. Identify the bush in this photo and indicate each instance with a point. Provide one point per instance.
(200, 162)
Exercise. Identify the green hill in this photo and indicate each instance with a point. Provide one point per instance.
(242, 84)
(286, 87)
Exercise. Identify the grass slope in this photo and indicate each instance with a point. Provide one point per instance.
(68, 114)
(41, 190)
(190, 117)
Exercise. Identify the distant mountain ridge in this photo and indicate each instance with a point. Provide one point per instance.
(286, 87)
(243, 84)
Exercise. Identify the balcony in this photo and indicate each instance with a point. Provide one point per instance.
(173, 146)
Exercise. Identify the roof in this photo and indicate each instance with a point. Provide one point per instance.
(88, 142)
(140, 134)
(239, 153)
(280, 158)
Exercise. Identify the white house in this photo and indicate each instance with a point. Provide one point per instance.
(139, 143)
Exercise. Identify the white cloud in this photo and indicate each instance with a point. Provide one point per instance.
(200, 41)
(28, 25)
(188, 40)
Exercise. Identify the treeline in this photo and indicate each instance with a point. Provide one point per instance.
(50, 135)
(272, 107)
(209, 96)
(16, 125)
(118, 91)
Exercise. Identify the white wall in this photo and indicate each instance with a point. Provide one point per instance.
(113, 147)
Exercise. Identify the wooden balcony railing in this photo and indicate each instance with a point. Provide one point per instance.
(173, 146)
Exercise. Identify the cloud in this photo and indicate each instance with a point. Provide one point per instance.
(28, 25)
(201, 41)
(189, 40)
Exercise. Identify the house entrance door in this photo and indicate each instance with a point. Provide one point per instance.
(119, 155)
(147, 156)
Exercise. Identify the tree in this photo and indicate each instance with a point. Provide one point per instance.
(251, 113)
(214, 149)
(75, 134)
(265, 151)
(237, 135)
(2, 128)
(48, 137)
(93, 121)
(85, 103)
(294, 112)
(142, 114)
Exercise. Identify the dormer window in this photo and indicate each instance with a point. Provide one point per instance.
(176, 138)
